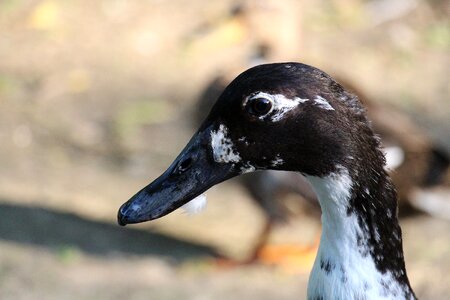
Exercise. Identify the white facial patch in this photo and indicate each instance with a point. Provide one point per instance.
(340, 270)
(322, 103)
(222, 146)
(196, 205)
(281, 105)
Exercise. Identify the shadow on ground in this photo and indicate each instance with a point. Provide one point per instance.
(53, 229)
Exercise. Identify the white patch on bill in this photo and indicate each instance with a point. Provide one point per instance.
(135, 207)
(223, 147)
(281, 105)
(196, 205)
(322, 103)
(350, 274)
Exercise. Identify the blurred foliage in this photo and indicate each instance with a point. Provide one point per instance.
(145, 112)
(438, 35)
(9, 6)
(79, 80)
(45, 16)
(68, 254)
(6, 85)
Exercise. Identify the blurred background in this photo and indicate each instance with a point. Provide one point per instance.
(98, 97)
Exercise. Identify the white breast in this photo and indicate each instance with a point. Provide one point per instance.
(340, 270)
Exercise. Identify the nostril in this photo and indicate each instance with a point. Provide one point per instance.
(185, 164)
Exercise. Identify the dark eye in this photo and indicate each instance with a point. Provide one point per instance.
(259, 106)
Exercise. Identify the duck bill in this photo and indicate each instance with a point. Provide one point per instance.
(193, 172)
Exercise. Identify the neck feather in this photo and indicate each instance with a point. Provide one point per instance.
(360, 254)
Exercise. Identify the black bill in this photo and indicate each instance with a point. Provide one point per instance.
(192, 173)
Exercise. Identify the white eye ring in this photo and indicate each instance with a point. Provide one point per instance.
(259, 105)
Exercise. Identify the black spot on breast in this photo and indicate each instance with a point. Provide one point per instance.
(386, 289)
(327, 266)
(359, 240)
(364, 250)
(343, 275)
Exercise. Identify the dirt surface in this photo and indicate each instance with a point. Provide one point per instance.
(96, 99)
(50, 254)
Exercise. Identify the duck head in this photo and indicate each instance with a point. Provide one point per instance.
(284, 116)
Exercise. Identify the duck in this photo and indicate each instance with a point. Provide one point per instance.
(294, 117)
(414, 162)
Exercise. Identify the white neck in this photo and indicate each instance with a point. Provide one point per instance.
(343, 268)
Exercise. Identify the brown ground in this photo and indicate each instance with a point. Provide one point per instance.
(95, 100)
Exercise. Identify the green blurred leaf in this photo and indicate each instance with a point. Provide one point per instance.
(141, 113)
(438, 35)
(68, 254)
(8, 6)
(6, 85)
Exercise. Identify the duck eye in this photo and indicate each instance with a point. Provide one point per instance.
(259, 106)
